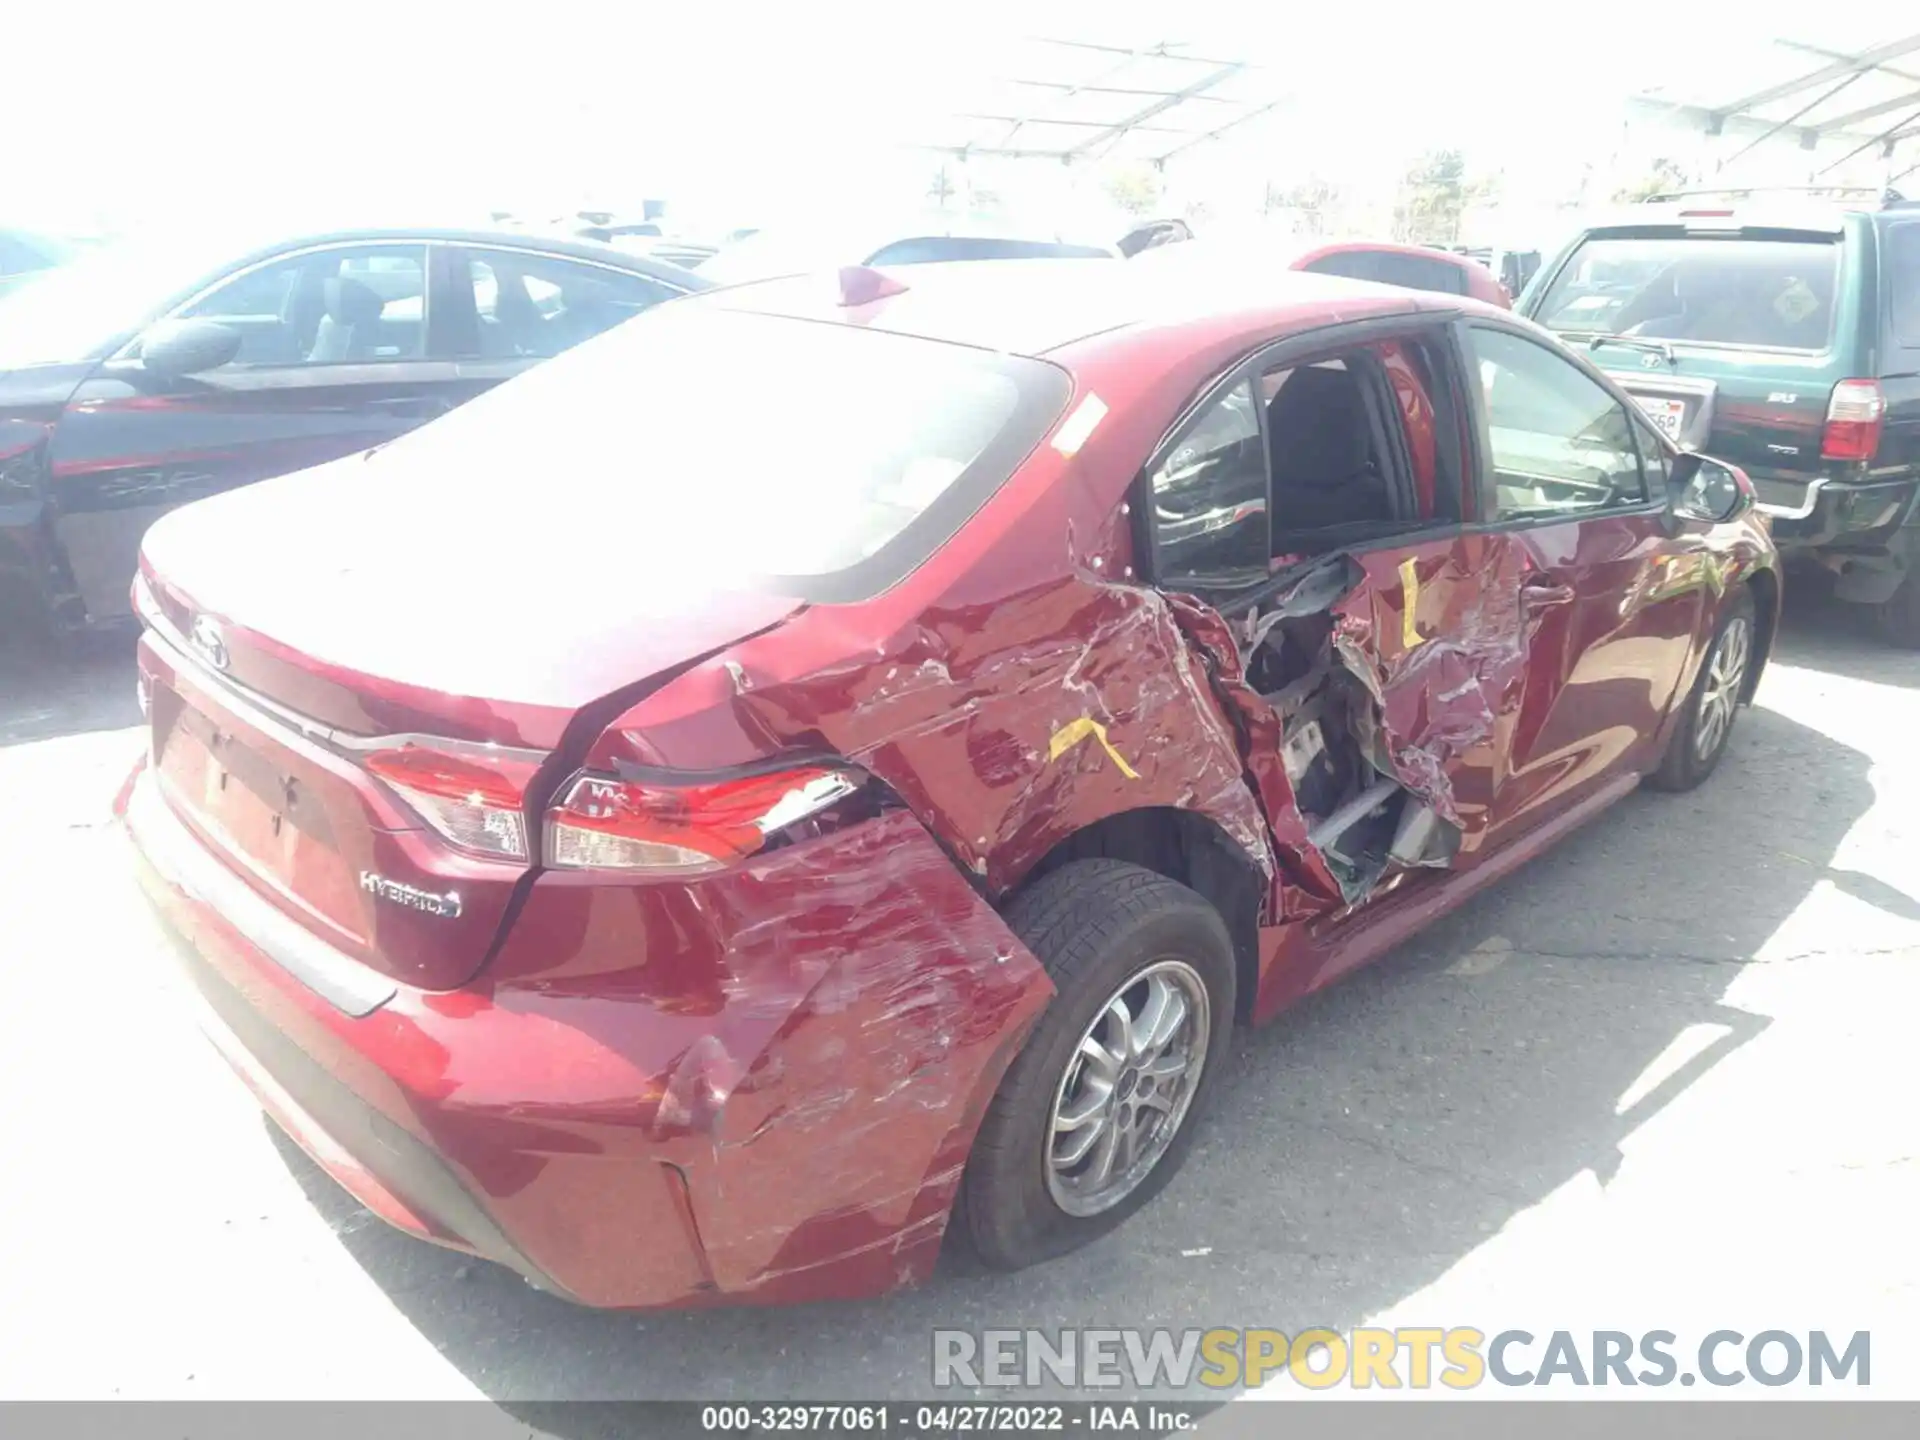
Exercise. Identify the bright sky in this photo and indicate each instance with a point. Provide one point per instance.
(177, 113)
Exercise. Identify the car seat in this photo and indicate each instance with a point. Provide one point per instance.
(1320, 454)
(350, 327)
(519, 326)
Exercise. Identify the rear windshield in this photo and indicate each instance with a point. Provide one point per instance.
(1410, 272)
(1716, 290)
(814, 458)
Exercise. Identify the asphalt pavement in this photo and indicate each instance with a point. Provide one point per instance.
(1664, 1077)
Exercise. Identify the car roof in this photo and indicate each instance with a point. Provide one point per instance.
(219, 244)
(1037, 307)
(1730, 216)
(263, 242)
(787, 249)
(883, 227)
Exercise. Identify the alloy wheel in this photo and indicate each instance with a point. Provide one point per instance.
(1720, 696)
(1127, 1088)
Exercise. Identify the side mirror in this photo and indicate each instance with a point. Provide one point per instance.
(1701, 488)
(177, 348)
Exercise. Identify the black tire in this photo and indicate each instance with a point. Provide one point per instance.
(1684, 765)
(1093, 924)
(1899, 615)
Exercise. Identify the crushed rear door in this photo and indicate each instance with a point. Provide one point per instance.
(1376, 693)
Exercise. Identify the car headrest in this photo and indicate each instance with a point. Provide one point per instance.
(1317, 428)
(349, 302)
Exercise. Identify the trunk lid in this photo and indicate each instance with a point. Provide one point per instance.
(299, 626)
(376, 606)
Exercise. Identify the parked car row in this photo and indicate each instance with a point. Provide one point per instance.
(815, 771)
(1413, 267)
(1514, 269)
(153, 374)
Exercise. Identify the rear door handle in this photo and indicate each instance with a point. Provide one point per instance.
(1539, 594)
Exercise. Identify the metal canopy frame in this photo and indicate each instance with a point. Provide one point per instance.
(1078, 101)
(1860, 95)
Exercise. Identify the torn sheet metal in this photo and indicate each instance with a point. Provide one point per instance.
(1010, 728)
(1303, 884)
(1444, 655)
(1399, 663)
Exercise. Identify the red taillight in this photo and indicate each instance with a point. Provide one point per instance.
(475, 797)
(601, 822)
(1854, 417)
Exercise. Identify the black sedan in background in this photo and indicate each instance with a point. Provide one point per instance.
(146, 374)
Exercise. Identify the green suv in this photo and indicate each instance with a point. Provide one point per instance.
(1779, 330)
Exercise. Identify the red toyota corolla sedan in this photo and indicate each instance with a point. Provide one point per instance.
(825, 764)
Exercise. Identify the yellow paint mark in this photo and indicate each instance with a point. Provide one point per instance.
(1410, 635)
(1068, 736)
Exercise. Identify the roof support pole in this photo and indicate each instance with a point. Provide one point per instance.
(1811, 105)
(1888, 134)
(1865, 60)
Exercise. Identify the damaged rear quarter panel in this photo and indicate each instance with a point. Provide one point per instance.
(809, 1040)
(1112, 712)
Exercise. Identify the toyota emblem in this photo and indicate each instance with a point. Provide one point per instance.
(210, 641)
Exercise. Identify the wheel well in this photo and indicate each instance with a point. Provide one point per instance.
(1190, 848)
(1766, 617)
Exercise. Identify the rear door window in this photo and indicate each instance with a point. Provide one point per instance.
(1343, 448)
(1774, 292)
(1209, 498)
(534, 306)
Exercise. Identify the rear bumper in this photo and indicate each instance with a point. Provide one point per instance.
(1828, 512)
(795, 1141)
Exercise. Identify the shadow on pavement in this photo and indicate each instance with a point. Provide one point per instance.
(1818, 632)
(49, 696)
(1358, 1149)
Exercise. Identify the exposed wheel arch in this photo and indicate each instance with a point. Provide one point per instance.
(1765, 585)
(1186, 846)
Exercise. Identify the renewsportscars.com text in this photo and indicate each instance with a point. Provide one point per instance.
(1460, 1358)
